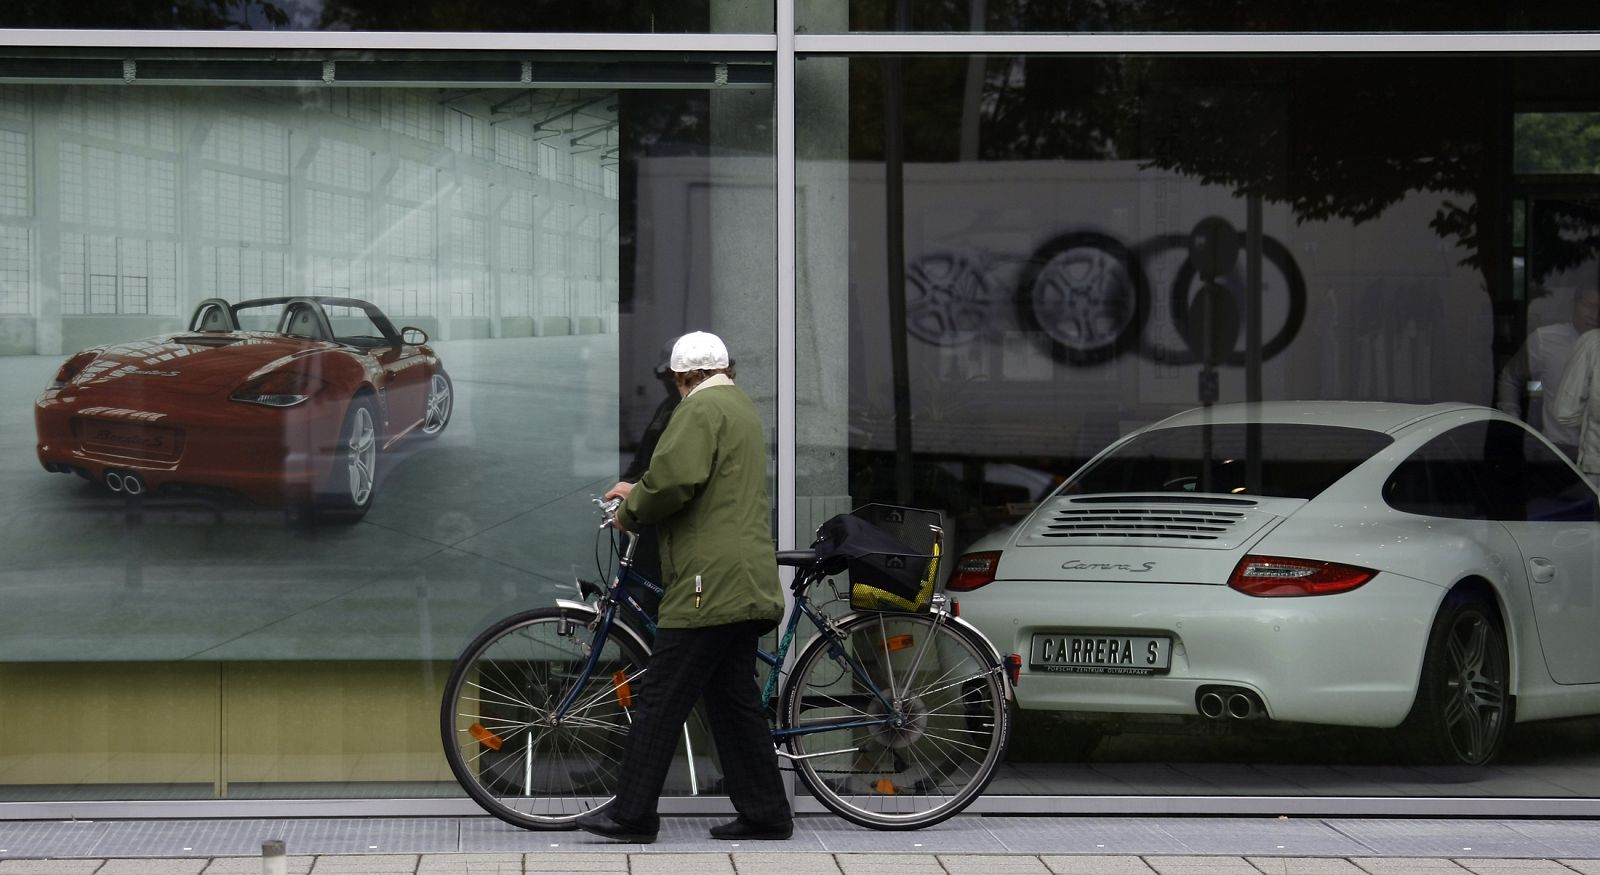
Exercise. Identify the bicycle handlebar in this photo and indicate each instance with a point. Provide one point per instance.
(608, 508)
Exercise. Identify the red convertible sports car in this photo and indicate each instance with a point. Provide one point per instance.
(280, 400)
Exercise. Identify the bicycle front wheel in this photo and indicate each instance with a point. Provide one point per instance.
(508, 751)
(904, 723)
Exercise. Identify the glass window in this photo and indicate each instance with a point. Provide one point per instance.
(1175, 16)
(1446, 477)
(1007, 263)
(1294, 461)
(325, 379)
(613, 16)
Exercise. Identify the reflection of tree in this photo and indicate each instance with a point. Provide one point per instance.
(1562, 235)
(592, 16)
(1332, 138)
(1248, 16)
(115, 14)
(595, 16)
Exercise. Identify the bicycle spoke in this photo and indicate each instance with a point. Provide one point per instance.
(540, 772)
(932, 765)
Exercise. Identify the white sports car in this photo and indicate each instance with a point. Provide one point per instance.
(1348, 563)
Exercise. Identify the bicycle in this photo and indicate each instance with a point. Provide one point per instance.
(892, 720)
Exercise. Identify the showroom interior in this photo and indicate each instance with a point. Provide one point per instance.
(876, 205)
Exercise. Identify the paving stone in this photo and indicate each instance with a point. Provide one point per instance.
(888, 864)
(49, 867)
(1091, 864)
(252, 866)
(576, 862)
(1304, 865)
(1202, 866)
(1506, 866)
(680, 864)
(1405, 865)
(470, 864)
(371, 864)
(785, 864)
(1585, 867)
(153, 866)
(993, 864)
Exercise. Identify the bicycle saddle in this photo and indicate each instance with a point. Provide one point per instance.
(797, 558)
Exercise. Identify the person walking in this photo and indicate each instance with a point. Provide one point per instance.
(706, 492)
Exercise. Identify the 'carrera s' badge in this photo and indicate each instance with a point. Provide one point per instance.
(1134, 568)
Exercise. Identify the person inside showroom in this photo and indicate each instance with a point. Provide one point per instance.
(1576, 402)
(706, 492)
(646, 558)
(1532, 376)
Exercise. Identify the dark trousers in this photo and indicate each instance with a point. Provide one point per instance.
(716, 663)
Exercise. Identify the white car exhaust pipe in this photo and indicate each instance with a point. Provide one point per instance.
(1212, 705)
(1241, 707)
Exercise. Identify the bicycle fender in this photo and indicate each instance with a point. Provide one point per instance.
(589, 611)
(1005, 677)
(570, 605)
(988, 647)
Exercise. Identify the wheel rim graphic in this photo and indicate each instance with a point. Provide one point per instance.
(1087, 292)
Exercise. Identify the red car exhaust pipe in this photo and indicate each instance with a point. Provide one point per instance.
(114, 481)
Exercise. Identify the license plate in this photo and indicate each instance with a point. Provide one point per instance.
(1100, 653)
(131, 439)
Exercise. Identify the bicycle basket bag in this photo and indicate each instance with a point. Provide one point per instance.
(891, 555)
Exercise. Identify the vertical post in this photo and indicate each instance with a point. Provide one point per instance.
(1252, 338)
(783, 76)
(274, 859)
(895, 256)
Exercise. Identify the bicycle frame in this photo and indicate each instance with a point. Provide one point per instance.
(616, 599)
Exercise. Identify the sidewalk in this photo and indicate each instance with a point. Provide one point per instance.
(821, 846)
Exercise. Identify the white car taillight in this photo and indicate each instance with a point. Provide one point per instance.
(973, 570)
(1282, 577)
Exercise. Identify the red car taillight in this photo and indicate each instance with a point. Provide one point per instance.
(279, 389)
(1280, 577)
(71, 369)
(973, 570)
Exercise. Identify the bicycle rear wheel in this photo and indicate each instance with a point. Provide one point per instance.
(896, 774)
(506, 751)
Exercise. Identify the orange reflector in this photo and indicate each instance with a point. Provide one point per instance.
(624, 689)
(885, 787)
(896, 642)
(485, 737)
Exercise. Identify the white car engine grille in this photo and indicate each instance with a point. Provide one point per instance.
(1130, 520)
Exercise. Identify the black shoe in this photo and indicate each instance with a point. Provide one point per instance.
(744, 830)
(602, 824)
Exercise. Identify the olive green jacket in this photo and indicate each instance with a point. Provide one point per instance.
(706, 493)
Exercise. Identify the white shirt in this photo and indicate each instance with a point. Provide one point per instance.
(1577, 401)
(1544, 358)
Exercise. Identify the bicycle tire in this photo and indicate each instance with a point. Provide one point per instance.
(915, 775)
(531, 774)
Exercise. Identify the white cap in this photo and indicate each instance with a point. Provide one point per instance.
(699, 351)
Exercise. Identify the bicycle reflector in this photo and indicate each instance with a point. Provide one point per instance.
(1280, 577)
(885, 787)
(896, 642)
(1013, 662)
(624, 689)
(485, 737)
